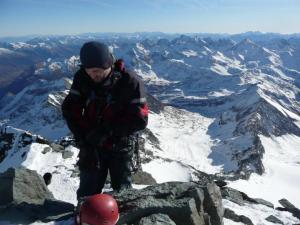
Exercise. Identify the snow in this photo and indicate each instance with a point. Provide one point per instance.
(222, 92)
(4, 51)
(185, 141)
(221, 70)
(281, 178)
(150, 77)
(63, 186)
(163, 171)
(54, 66)
(190, 53)
(141, 48)
(18, 45)
(257, 213)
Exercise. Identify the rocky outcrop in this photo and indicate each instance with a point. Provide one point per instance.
(241, 198)
(230, 214)
(274, 219)
(22, 185)
(180, 203)
(287, 206)
(25, 198)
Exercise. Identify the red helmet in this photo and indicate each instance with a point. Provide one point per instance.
(99, 209)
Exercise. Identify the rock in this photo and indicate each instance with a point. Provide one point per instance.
(57, 147)
(6, 143)
(46, 150)
(183, 202)
(22, 185)
(142, 177)
(240, 198)
(25, 199)
(154, 104)
(212, 204)
(24, 213)
(290, 207)
(221, 183)
(230, 214)
(233, 195)
(67, 154)
(47, 178)
(156, 219)
(286, 204)
(42, 140)
(274, 219)
(263, 202)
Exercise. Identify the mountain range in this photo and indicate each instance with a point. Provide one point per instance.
(227, 106)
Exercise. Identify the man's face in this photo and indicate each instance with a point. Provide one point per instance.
(98, 74)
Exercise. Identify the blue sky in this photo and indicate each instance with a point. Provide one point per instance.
(23, 17)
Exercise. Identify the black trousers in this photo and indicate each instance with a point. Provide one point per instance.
(116, 163)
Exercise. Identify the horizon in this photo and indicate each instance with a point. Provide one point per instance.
(152, 32)
(74, 17)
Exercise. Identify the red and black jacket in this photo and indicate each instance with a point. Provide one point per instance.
(117, 105)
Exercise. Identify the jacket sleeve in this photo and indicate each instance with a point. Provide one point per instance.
(72, 109)
(132, 114)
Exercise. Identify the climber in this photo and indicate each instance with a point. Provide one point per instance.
(104, 109)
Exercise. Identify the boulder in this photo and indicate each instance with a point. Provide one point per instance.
(185, 203)
(25, 198)
(22, 185)
(230, 214)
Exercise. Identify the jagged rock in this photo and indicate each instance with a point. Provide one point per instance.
(232, 195)
(290, 208)
(67, 154)
(22, 185)
(6, 142)
(230, 214)
(274, 219)
(251, 156)
(156, 219)
(240, 198)
(25, 198)
(57, 147)
(46, 150)
(42, 140)
(142, 177)
(221, 183)
(185, 203)
(263, 202)
(154, 104)
(202, 178)
(286, 204)
(213, 206)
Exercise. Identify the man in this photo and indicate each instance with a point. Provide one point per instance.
(104, 109)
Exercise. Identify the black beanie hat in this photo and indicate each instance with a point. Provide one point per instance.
(95, 54)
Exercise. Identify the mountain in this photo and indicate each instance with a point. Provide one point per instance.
(224, 107)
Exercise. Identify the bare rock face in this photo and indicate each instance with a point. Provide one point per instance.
(25, 198)
(23, 185)
(180, 203)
